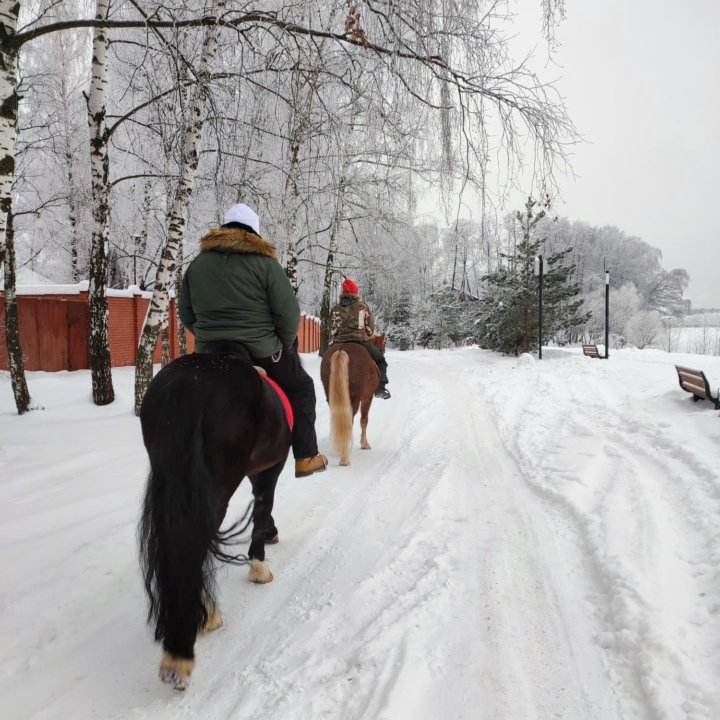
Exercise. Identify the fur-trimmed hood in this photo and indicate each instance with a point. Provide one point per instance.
(237, 240)
(236, 290)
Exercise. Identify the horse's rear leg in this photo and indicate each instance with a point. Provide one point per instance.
(178, 533)
(364, 412)
(176, 671)
(214, 616)
(264, 530)
(182, 621)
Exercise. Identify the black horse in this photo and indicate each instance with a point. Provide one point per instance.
(208, 420)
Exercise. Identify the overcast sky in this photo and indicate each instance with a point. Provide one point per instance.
(641, 79)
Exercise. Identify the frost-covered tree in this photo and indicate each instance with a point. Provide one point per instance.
(99, 345)
(642, 329)
(400, 332)
(507, 319)
(625, 304)
(666, 291)
(423, 85)
(451, 324)
(156, 317)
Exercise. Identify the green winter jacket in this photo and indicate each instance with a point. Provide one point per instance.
(236, 290)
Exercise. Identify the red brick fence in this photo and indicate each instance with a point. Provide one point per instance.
(53, 328)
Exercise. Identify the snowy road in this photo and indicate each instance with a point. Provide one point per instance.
(523, 541)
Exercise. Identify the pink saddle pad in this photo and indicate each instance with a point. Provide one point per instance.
(284, 400)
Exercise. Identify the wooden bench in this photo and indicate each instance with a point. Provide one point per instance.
(591, 351)
(695, 382)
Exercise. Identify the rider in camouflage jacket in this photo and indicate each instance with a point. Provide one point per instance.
(352, 321)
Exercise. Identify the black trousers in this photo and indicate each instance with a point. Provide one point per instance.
(377, 356)
(292, 377)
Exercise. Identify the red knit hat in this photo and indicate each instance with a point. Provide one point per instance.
(349, 287)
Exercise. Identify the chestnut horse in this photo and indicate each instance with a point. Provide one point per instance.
(207, 422)
(350, 378)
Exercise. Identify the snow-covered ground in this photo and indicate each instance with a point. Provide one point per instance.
(524, 540)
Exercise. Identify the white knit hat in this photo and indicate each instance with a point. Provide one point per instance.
(243, 214)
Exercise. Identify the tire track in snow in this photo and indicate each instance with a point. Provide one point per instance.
(414, 581)
(591, 469)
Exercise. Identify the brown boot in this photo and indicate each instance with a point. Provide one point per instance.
(308, 466)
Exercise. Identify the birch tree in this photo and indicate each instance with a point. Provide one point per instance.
(192, 135)
(103, 392)
(68, 144)
(454, 78)
(330, 261)
(8, 110)
(8, 124)
(12, 324)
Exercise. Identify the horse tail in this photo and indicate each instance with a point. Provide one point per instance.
(176, 531)
(341, 415)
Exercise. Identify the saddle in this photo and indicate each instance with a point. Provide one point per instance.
(231, 347)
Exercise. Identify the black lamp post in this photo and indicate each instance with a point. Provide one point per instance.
(607, 314)
(539, 274)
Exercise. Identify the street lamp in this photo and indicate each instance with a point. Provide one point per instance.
(607, 314)
(539, 275)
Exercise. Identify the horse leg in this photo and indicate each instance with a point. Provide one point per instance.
(263, 485)
(180, 632)
(226, 475)
(271, 533)
(184, 505)
(193, 611)
(214, 616)
(364, 412)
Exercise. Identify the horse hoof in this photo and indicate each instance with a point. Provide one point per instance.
(366, 446)
(273, 540)
(260, 572)
(344, 462)
(214, 621)
(176, 671)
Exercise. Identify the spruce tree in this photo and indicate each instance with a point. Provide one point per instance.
(451, 318)
(400, 332)
(507, 318)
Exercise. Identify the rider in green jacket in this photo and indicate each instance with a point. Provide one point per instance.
(235, 295)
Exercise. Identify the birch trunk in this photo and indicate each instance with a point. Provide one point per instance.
(330, 269)
(291, 195)
(303, 95)
(68, 157)
(165, 334)
(182, 333)
(12, 325)
(100, 363)
(8, 110)
(157, 312)
(140, 241)
(8, 133)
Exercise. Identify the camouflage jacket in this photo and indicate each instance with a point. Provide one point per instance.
(350, 320)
